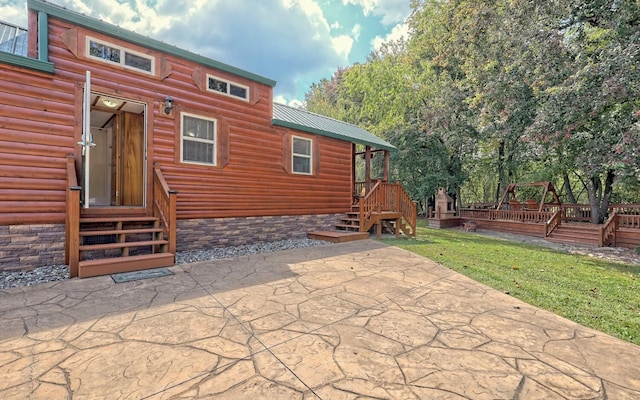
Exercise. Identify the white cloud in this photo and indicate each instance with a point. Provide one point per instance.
(14, 14)
(335, 25)
(292, 103)
(398, 32)
(355, 31)
(390, 11)
(342, 45)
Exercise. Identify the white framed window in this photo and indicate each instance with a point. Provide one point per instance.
(198, 139)
(118, 55)
(301, 155)
(228, 88)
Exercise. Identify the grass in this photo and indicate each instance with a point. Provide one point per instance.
(596, 293)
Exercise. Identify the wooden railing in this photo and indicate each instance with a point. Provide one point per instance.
(387, 197)
(534, 217)
(608, 231)
(408, 209)
(628, 221)
(164, 207)
(553, 223)
(625, 209)
(72, 219)
(369, 204)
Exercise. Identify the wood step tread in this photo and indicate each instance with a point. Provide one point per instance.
(108, 246)
(348, 227)
(106, 266)
(350, 219)
(120, 231)
(117, 219)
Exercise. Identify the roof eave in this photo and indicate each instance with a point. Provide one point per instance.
(132, 37)
(303, 128)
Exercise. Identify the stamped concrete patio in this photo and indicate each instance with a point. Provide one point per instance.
(345, 321)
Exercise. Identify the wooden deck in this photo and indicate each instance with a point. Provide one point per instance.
(566, 225)
(338, 237)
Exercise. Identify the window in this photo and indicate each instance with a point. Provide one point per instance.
(198, 137)
(124, 57)
(301, 155)
(219, 85)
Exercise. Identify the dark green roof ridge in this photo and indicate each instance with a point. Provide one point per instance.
(306, 121)
(130, 36)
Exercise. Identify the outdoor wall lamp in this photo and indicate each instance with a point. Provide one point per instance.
(168, 105)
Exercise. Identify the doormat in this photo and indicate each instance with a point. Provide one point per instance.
(137, 275)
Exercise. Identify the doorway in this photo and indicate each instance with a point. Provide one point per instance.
(115, 160)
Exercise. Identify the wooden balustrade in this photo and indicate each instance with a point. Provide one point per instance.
(628, 221)
(535, 217)
(608, 231)
(387, 198)
(164, 207)
(553, 223)
(72, 219)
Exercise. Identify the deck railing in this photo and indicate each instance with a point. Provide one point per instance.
(553, 223)
(608, 231)
(164, 207)
(387, 197)
(72, 219)
(628, 221)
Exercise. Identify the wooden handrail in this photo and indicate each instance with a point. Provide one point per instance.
(387, 197)
(553, 223)
(368, 204)
(608, 231)
(72, 219)
(164, 207)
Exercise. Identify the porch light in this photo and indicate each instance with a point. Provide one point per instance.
(168, 105)
(110, 102)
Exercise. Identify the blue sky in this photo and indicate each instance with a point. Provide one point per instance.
(295, 42)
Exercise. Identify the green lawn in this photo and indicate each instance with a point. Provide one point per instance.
(600, 294)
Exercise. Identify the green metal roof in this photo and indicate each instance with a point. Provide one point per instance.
(132, 37)
(306, 121)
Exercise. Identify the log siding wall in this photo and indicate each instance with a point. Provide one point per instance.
(41, 121)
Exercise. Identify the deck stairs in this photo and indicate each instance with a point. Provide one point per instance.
(576, 233)
(388, 221)
(122, 244)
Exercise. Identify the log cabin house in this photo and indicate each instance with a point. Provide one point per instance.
(117, 150)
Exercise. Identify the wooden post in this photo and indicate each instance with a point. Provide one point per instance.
(173, 194)
(353, 169)
(386, 166)
(367, 167)
(72, 221)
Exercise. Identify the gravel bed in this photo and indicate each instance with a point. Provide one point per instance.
(61, 272)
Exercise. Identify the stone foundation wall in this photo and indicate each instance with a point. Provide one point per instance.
(200, 234)
(24, 247)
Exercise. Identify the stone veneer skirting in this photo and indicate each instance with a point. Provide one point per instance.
(201, 234)
(24, 247)
(30, 246)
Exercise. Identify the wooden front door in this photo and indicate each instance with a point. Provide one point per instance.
(114, 163)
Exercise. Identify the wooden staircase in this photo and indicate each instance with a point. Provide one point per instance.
(387, 207)
(351, 222)
(576, 233)
(121, 244)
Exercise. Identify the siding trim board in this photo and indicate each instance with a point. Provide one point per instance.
(26, 62)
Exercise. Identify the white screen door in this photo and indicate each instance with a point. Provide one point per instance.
(87, 141)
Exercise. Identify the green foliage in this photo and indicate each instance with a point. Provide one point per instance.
(486, 92)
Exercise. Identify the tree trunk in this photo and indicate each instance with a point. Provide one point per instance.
(569, 190)
(600, 197)
(502, 180)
